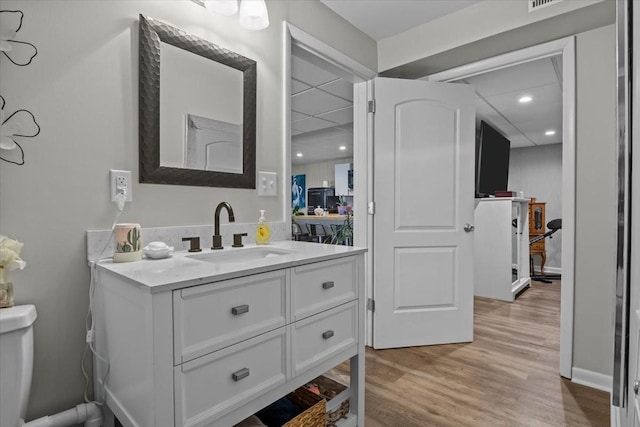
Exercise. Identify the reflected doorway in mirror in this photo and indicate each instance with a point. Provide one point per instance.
(213, 145)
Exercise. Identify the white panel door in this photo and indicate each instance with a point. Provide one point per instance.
(424, 142)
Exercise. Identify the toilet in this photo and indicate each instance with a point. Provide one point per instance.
(16, 362)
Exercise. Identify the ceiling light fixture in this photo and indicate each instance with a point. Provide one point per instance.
(342, 148)
(222, 7)
(298, 154)
(525, 99)
(253, 13)
(550, 132)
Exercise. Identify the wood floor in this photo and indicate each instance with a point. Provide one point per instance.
(508, 376)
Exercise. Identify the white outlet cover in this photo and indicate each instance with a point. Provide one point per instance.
(114, 175)
(267, 184)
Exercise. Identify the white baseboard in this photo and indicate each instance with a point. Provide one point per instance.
(592, 379)
(615, 416)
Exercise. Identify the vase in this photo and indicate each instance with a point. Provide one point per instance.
(6, 294)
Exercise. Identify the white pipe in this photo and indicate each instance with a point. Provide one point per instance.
(88, 414)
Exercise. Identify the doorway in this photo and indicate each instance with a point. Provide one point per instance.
(307, 50)
(362, 136)
(565, 48)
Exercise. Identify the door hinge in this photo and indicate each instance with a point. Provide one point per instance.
(371, 208)
(372, 106)
(371, 304)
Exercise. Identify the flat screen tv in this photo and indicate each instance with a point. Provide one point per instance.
(492, 161)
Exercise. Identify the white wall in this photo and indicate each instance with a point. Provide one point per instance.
(82, 89)
(318, 172)
(537, 171)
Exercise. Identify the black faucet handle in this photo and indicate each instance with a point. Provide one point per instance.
(237, 240)
(217, 242)
(194, 243)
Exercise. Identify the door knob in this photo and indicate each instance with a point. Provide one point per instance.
(469, 227)
(636, 387)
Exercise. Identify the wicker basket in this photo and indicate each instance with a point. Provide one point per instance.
(328, 390)
(316, 413)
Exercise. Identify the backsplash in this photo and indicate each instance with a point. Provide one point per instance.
(172, 236)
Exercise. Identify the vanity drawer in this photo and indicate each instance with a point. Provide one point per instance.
(218, 383)
(317, 338)
(213, 316)
(320, 286)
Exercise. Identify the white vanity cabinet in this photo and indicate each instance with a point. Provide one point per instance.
(212, 350)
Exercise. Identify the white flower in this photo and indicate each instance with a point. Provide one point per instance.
(10, 254)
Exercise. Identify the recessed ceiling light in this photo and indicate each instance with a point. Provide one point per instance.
(550, 132)
(298, 154)
(525, 99)
(342, 148)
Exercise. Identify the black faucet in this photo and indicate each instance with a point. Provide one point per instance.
(217, 238)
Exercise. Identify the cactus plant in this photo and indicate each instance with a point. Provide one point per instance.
(133, 238)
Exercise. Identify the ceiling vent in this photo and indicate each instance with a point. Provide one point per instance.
(539, 4)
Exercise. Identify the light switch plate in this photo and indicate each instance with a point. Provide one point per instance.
(267, 184)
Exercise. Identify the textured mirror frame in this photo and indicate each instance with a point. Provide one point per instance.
(152, 32)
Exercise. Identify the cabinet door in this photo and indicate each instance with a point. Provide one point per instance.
(322, 285)
(213, 316)
(211, 386)
(316, 339)
(537, 221)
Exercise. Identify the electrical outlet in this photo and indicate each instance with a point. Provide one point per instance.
(267, 184)
(120, 181)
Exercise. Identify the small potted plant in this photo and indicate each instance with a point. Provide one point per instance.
(344, 233)
(343, 206)
(9, 260)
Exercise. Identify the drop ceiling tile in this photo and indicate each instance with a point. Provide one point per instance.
(315, 101)
(311, 124)
(341, 88)
(298, 86)
(341, 116)
(308, 73)
(295, 116)
(545, 98)
(515, 78)
(541, 125)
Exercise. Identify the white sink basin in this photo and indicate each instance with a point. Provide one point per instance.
(240, 256)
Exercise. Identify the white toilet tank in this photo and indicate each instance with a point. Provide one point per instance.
(16, 362)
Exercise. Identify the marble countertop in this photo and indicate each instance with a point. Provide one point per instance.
(181, 269)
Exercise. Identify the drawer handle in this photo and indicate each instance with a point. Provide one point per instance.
(328, 285)
(242, 373)
(328, 334)
(240, 309)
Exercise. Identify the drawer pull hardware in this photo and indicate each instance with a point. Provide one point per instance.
(328, 334)
(242, 373)
(240, 309)
(327, 285)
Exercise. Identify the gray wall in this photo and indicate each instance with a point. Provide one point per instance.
(82, 89)
(537, 171)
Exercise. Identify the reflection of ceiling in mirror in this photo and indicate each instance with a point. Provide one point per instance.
(212, 90)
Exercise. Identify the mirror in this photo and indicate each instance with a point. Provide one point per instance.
(197, 117)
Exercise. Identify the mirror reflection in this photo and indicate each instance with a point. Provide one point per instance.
(197, 110)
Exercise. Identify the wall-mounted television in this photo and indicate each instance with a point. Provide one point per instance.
(492, 161)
